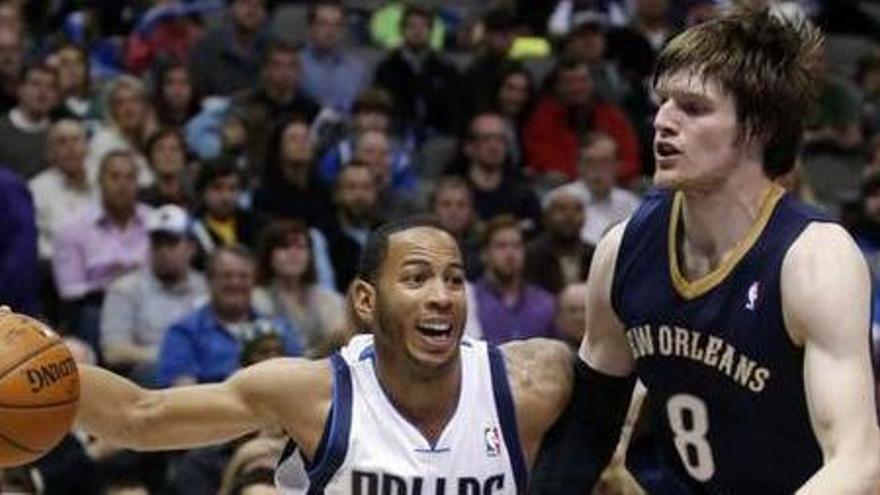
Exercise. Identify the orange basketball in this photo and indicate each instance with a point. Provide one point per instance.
(39, 389)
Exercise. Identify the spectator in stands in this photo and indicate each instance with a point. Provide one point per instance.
(496, 189)
(289, 292)
(371, 112)
(571, 313)
(140, 306)
(251, 469)
(167, 154)
(567, 111)
(205, 346)
(558, 256)
(166, 32)
(330, 74)
(103, 243)
(290, 187)
(426, 88)
(867, 77)
(227, 58)
(604, 202)
(23, 129)
(11, 63)
(128, 123)
(484, 74)
(510, 308)
(76, 100)
(61, 191)
(653, 21)
(174, 95)
(386, 30)
(453, 204)
(396, 199)
(866, 230)
(515, 99)
(220, 221)
(587, 43)
(276, 97)
(836, 125)
(356, 199)
(18, 245)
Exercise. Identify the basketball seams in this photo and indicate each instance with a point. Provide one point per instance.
(14, 366)
(19, 446)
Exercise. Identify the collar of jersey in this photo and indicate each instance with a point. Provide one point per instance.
(696, 288)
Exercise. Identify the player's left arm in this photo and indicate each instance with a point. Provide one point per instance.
(826, 294)
(541, 376)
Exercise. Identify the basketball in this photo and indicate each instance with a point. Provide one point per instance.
(39, 389)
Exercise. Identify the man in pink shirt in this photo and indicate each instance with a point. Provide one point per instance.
(107, 240)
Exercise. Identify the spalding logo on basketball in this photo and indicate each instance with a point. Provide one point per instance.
(39, 389)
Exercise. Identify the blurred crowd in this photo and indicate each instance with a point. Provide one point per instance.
(186, 186)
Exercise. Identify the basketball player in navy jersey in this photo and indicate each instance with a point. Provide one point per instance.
(414, 408)
(744, 313)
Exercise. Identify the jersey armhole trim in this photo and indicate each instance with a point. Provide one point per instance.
(507, 417)
(323, 468)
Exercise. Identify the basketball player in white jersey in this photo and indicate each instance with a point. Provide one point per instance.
(414, 408)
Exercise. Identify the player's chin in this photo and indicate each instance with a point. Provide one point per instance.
(666, 179)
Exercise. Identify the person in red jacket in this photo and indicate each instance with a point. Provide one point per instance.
(567, 111)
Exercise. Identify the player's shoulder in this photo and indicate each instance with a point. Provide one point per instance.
(821, 243)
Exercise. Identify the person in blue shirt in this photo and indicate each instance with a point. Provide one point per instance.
(205, 346)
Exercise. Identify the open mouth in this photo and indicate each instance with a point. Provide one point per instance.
(664, 150)
(437, 334)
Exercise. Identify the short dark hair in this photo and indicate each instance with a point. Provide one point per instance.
(449, 182)
(376, 249)
(235, 250)
(222, 166)
(315, 5)
(37, 67)
(497, 224)
(373, 100)
(161, 134)
(277, 45)
(275, 235)
(413, 9)
(114, 154)
(767, 63)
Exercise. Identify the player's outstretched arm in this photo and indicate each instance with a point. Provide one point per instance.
(292, 393)
(826, 293)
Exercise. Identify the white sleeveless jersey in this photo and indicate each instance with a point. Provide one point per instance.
(368, 448)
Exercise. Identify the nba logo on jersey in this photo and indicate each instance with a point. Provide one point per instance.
(753, 295)
(493, 441)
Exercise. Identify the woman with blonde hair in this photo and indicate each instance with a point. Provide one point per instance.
(128, 123)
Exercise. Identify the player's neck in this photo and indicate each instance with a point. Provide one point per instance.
(715, 221)
(428, 403)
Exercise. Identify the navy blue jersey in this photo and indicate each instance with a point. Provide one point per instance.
(725, 381)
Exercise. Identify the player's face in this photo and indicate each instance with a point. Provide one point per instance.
(420, 298)
(696, 133)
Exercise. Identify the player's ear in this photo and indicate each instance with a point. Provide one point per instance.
(363, 300)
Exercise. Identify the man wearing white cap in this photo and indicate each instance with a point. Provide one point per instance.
(140, 307)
